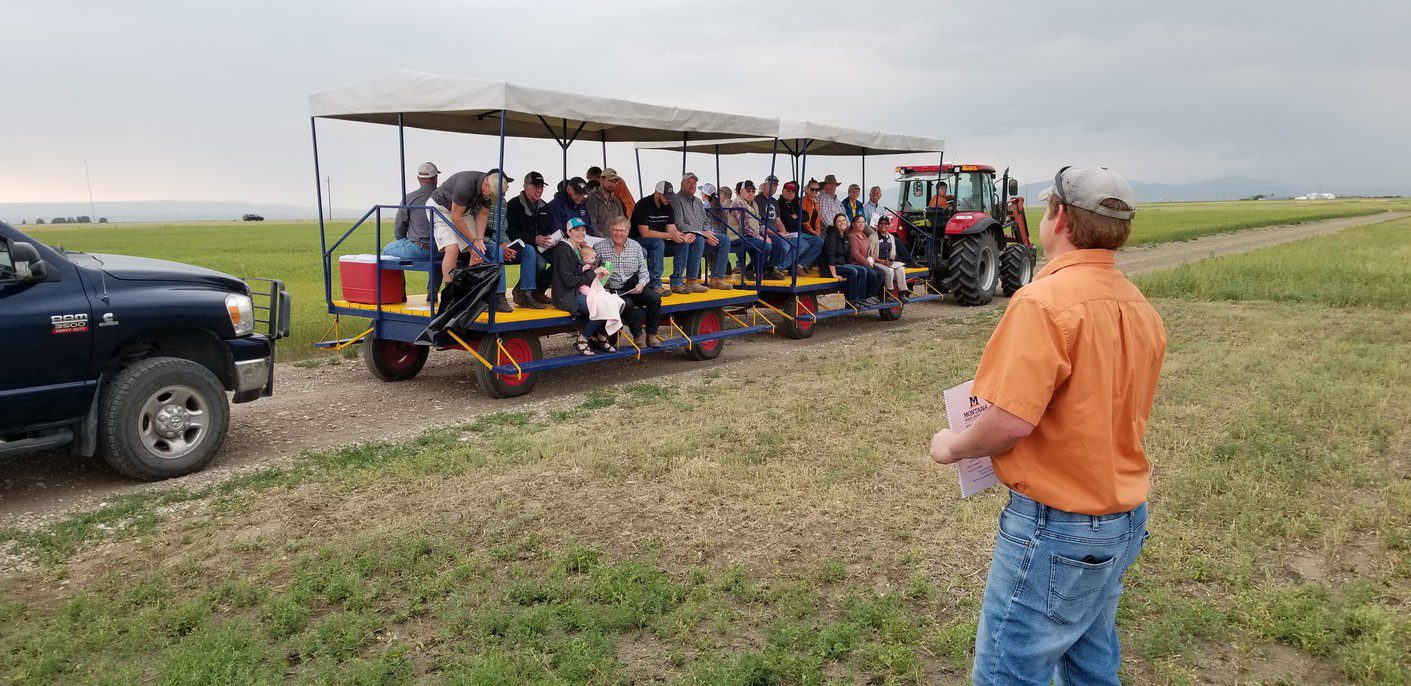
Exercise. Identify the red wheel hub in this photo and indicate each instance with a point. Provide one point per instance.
(808, 305)
(710, 323)
(519, 351)
(398, 355)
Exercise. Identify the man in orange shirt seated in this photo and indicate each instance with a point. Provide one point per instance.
(1070, 373)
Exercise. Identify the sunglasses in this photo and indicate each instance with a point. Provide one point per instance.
(1058, 184)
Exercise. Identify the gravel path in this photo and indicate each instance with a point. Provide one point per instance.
(332, 405)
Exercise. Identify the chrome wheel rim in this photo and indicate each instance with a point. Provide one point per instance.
(174, 421)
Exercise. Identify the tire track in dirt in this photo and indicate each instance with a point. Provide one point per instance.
(333, 405)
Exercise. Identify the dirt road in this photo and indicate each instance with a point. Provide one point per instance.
(331, 405)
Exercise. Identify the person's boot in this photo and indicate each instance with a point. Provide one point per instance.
(502, 304)
(542, 297)
(775, 274)
(720, 284)
(680, 289)
(652, 340)
(640, 339)
(694, 286)
(522, 299)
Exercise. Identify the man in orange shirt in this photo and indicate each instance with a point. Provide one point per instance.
(1070, 373)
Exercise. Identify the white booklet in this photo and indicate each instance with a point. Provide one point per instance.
(962, 410)
(556, 236)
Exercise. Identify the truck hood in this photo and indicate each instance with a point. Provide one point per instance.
(130, 268)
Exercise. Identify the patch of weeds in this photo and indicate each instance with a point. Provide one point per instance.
(229, 654)
(954, 642)
(127, 515)
(597, 399)
(578, 560)
(285, 615)
(501, 419)
(339, 635)
(240, 593)
(528, 547)
(646, 394)
(832, 571)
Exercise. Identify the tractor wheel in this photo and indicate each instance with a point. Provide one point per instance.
(521, 347)
(972, 272)
(1016, 267)
(800, 328)
(701, 323)
(393, 360)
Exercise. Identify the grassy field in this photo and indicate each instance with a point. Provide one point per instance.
(775, 545)
(289, 251)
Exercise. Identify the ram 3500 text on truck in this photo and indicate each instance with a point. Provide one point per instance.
(126, 357)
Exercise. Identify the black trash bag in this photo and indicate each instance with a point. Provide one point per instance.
(469, 294)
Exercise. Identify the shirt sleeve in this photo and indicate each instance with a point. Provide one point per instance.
(1025, 362)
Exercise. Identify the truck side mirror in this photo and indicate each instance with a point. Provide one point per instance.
(27, 263)
(1013, 187)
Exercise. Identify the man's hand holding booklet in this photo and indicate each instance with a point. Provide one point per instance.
(962, 410)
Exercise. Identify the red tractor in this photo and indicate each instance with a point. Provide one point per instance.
(985, 240)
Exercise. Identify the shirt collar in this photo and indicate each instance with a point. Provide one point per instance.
(1099, 257)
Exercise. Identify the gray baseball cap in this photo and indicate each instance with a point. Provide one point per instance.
(427, 170)
(1088, 186)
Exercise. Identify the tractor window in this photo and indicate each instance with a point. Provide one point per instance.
(969, 193)
(914, 193)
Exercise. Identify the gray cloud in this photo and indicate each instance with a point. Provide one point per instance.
(185, 100)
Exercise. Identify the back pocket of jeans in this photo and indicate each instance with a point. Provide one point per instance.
(1074, 587)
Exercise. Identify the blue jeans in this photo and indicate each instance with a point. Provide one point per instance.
(405, 249)
(530, 264)
(686, 259)
(719, 255)
(780, 251)
(809, 248)
(655, 248)
(1050, 609)
(856, 277)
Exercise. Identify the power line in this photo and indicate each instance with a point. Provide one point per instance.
(92, 213)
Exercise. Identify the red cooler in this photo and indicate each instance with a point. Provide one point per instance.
(358, 276)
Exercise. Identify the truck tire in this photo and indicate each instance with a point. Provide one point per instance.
(393, 360)
(972, 272)
(1016, 267)
(161, 417)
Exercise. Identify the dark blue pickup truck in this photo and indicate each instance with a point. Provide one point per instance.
(128, 358)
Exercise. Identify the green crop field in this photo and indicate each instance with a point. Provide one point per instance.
(761, 548)
(289, 251)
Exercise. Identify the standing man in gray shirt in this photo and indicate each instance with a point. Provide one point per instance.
(413, 229)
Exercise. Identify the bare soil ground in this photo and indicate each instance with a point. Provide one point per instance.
(331, 405)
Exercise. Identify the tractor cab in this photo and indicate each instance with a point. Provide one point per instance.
(969, 229)
(968, 188)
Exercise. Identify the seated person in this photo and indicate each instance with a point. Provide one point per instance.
(413, 229)
(569, 274)
(836, 250)
(860, 254)
(941, 198)
(776, 254)
(653, 227)
(628, 279)
(797, 224)
(885, 251)
(529, 221)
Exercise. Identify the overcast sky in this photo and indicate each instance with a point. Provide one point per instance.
(208, 101)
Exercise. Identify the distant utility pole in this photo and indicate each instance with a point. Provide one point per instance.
(329, 181)
(92, 214)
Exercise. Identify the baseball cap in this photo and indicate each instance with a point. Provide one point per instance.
(1088, 186)
(790, 185)
(664, 187)
(771, 179)
(497, 170)
(708, 188)
(689, 175)
(575, 223)
(610, 174)
(854, 187)
(533, 179)
(578, 184)
(427, 170)
(747, 184)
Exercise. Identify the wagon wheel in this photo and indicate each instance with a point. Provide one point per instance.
(801, 328)
(702, 323)
(393, 360)
(521, 348)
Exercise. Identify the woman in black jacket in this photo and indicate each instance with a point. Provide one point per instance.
(836, 251)
(568, 275)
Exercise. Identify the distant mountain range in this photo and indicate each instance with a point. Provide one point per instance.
(162, 210)
(1230, 188)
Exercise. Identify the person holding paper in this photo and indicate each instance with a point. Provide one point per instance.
(529, 221)
(1070, 374)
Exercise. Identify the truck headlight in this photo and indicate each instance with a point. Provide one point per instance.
(242, 313)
